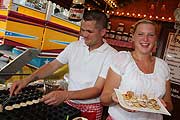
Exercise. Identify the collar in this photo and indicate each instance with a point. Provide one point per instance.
(102, 48)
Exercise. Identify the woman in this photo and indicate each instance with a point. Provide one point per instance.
(140, 72)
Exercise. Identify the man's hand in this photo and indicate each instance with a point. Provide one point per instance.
(17, 86)
(55, 97)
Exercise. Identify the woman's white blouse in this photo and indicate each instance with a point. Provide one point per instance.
(135, 80)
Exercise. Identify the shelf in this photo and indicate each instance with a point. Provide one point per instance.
(124, 44)
(119, 43)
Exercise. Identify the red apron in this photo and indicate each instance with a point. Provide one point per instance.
(89, 111)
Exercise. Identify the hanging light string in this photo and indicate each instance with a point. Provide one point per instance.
(111, 3)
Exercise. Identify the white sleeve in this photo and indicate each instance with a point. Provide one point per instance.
(63, 57)
(164, 69)
(167, 77)
(119, 62)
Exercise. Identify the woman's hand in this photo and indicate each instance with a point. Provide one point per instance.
(55, 97)
(163, 102)
(115, 100)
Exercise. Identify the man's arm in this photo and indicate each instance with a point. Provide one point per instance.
(88, 93)
(57, 97)
(42, 72)
(45, 71)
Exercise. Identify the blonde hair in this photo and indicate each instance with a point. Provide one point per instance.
(143, 21)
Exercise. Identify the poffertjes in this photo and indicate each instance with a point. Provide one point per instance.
(139, 101)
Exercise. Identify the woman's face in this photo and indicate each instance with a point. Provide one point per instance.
(91, 34)
(144, 38)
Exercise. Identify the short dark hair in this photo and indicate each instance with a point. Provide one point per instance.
(98, 16)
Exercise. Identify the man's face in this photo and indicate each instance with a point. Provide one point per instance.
(92, 35)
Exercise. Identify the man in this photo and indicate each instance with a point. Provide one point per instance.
(88, 60)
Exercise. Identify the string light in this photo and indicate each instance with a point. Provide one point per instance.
(111, 3)
(97, 2)
(138, 15)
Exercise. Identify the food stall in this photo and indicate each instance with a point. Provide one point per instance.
(26, 106)
(25, 24)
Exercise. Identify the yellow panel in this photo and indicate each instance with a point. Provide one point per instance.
(25, 70)
(3, 12)
(50, 35)
(64, 23)
(29, 70)
(59, 74)
(3, 28)
(25, 29)
(31, 12)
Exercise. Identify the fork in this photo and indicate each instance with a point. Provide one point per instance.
(6, 101)
(44, 87)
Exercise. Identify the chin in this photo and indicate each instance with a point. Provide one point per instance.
(146, 51)
(86, 42)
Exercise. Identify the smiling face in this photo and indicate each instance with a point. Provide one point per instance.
(92, 34)
(144, 38)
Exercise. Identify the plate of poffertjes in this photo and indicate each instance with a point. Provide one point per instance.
(140, 102)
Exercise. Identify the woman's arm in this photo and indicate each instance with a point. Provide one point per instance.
(167, 97)
(112, 81)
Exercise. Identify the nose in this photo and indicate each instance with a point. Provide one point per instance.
(145, 37)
